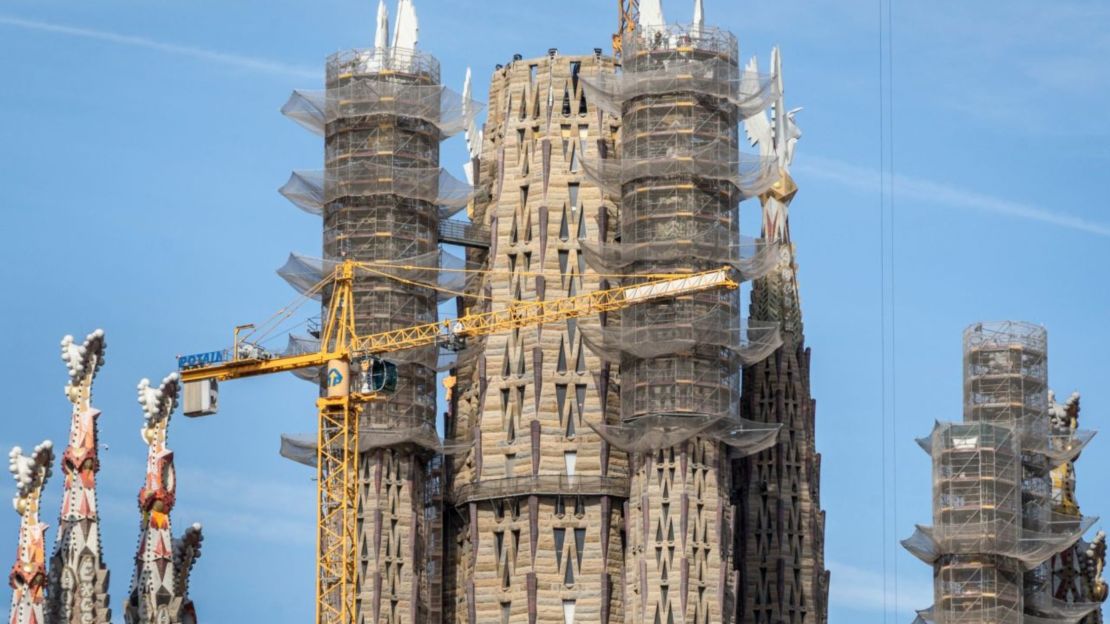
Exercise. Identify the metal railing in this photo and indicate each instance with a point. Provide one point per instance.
(544, 485)
(465, 234)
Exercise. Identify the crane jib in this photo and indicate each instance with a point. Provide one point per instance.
(195, 360)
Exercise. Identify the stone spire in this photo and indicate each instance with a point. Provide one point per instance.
(78, 590)
(159, 588)
(782, 526)
(28, 575)
(1077, 571)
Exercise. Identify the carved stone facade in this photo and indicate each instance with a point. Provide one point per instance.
(540, 496)
(781, 533)
(782, 526)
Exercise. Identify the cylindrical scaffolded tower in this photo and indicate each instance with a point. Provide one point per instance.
(382, 197)
(680, 518)
(678, 185)
(381, 180)
(994, 524)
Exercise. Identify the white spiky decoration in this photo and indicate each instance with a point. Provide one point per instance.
(651, 15)
(406, 30)
(84, 360)
(699, 16)
(381, 34)
(30, 472)
(158, 403)
(472, 134)
(776, 137)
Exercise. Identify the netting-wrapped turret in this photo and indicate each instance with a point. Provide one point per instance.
(681, 178)
(381, 197)
(667, 206)
(381, 178)
(994, 520)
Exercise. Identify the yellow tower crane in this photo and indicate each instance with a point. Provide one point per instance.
(356, 374)
(628, 13)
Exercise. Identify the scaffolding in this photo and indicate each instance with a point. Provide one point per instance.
(679, 179)
(382, 198)
(994, 525)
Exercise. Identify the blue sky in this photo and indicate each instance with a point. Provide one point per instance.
(141, 147)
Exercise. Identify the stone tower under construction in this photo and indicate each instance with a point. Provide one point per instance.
(381, 197)
(650, 465)
(601, 479)
(540, 496)
(781, 532)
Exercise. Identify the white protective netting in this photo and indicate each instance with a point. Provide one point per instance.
(439, 270)
(309, 190)
(682, 326)
(659, 431)
(435, 104)
(682, 58)
(298, 344)
(748, 174)
(751, 258)
(678, 181)
(977, 590)
(982, 501)
(994, 522)
(301, 447)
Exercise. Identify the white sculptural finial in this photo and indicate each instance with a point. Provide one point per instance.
(158, 405)
(466, 89)
(83, 360)
(651, 14)
(473, 133)
(406, 31)
(30, 473)
(699, 15)
(381, 35)
(776, 137)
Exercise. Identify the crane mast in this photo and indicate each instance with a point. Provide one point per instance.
(628, 14)
(357, 375)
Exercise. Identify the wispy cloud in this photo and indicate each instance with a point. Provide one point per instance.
(237, 61)
(262, 510)
(934, 192)
(862, 590)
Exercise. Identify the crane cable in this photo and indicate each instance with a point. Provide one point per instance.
(273, 322)
(886, 298)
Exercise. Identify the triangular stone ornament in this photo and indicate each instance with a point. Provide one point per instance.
(546, 164)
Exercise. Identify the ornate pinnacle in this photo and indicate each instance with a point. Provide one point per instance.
(28, 575)
(159, 589)
(78, 577)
